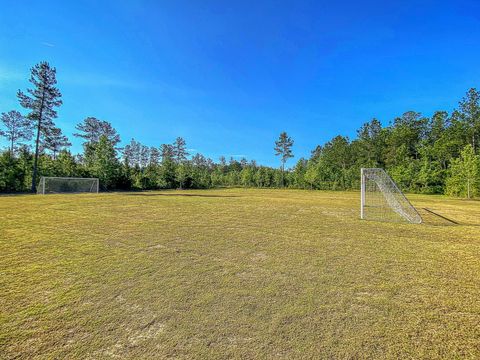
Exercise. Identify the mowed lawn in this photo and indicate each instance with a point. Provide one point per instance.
(235, 274)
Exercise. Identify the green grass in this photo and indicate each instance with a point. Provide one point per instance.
(235, 274)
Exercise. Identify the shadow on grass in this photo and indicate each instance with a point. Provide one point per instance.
(193, 195)
(16, 194)
(433, 218)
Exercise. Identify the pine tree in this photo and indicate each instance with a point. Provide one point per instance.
(55, 141)
(41, 101)
(131, 153)
(167, 152)
(154, 156)
(223, 161)
(283, 148)
(16, 128)
(199, 160)
(180, 150)
(91, 129)
(144, 156)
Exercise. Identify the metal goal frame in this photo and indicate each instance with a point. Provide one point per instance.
(382, 200)
(92, 185)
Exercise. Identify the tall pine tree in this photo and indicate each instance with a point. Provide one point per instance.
(283, 148)
(41, 100)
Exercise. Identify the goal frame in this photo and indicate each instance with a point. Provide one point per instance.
(401, 205)
(95, 188)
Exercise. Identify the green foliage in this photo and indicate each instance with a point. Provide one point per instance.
(470, 114)
(182, 175)
(102, 162)
(12, 175)
(91, 129)
(167, 174)
(55, 141)
(312, 175)
(41, 101)
(434, 155)
(298, 175)
(283, 148)
(370, 144)
(16, 128)
(464, 174)
(179, 150)
(65, 165)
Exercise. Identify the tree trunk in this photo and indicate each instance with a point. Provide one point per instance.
(468, 188)
(35, 164)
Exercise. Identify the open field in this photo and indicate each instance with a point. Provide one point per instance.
(235, 274)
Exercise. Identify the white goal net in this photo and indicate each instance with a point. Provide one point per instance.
(381, 199)
(58, 185)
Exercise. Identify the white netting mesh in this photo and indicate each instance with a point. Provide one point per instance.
(57, 185)
(383, 200)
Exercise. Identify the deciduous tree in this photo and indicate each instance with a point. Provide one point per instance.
(470, 114)
(464, 177)
(102, 162)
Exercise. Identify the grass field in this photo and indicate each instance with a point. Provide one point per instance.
(235, 274)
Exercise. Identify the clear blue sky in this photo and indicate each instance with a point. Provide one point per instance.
(229, 76)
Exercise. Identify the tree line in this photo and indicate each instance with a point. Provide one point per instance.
(436, 155)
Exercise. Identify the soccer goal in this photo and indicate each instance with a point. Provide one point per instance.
(381, 199)
(58, 185)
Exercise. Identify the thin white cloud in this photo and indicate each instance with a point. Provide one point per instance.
(44, 43)
(237, 156)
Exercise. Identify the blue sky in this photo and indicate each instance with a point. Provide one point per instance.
(229, 76)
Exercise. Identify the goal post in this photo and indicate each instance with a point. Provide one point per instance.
(381, 199)
(60, 185)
